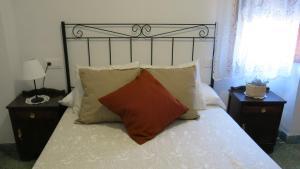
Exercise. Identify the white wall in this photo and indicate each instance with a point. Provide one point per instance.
(39, 21)
(9, 68)
(287, 88)
(39, 35)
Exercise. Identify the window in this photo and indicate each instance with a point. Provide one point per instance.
(265, 39)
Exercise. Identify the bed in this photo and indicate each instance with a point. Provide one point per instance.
(214, 141)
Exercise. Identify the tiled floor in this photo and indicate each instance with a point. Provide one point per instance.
(286, 155)
(9, 158)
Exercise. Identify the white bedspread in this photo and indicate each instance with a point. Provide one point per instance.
(214, 141)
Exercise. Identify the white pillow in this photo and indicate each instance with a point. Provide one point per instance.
(78, 90)
(67, 100)
(211, 97)
(184, 65)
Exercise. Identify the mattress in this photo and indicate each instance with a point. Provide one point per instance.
(214, 141)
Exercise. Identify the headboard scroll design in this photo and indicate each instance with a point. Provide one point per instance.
(90, 32)
(140, 30)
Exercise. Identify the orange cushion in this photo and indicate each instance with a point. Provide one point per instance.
(144, 106)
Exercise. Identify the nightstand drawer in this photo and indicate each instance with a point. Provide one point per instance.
(262, 109)
(35, 115)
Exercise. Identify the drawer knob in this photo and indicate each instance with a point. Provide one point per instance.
(32, 115)
(19, 134)
(263, 110)
(244, 126)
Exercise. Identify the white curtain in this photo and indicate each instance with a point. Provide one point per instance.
(226, 29)
(266, 37)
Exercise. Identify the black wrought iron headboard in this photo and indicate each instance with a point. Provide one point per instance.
(102, 31)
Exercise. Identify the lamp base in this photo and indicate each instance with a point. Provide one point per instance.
(37, 99)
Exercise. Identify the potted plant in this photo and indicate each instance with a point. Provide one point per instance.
(256, 88)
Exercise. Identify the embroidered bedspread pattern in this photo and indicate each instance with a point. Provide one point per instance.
(214, 141)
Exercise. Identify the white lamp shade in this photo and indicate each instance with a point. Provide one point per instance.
(32, 69)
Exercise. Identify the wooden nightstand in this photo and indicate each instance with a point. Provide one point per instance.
(259, 118)
(34, 124)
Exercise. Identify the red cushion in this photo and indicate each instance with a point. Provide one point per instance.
(144, 106)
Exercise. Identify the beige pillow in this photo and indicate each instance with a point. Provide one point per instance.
(181, 83)
(98, 83)
(78, 91)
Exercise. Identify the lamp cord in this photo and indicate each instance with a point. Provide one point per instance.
(45, 74)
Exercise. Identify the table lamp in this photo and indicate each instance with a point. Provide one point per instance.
(33, 70)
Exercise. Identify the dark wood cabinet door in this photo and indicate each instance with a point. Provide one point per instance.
(262, 126)
(32, 130)
(24, 132)
(43, 132)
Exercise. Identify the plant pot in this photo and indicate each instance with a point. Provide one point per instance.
(255, 91)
